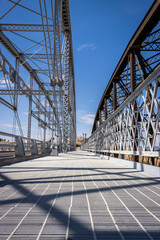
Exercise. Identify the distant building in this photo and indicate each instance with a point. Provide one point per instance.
(80, 140)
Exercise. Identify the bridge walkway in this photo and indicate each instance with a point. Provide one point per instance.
(77, 196)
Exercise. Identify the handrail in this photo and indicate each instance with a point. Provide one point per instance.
(14, 135)
(21, 149)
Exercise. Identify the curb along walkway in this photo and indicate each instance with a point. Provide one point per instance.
(77, 196)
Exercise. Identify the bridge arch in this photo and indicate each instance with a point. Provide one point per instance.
(127, 122)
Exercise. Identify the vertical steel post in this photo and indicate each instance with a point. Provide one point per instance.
(15, 97)
(114, 95)
(133, 82)
(114, 108)
(44, 136)
(105, 109)
(71, 100)
(30, 107)
(39, 115)
(100, 117)
(66, 86)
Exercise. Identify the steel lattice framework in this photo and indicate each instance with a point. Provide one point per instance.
(127, 121)
(36, 61)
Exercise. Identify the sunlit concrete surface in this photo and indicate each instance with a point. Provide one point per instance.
(77, 196)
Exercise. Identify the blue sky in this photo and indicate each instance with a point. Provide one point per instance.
(101, 30)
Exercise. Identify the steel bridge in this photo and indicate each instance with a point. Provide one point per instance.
(97, 193)
(37, 76)
(127, 121)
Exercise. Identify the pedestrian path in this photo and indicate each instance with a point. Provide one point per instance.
(77, 196)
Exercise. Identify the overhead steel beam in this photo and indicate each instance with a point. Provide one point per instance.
(25, 27)
(41, 71)
(28, 92)
(36, 56)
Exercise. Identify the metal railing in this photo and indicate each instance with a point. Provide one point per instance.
(21, 146)
(134, 128)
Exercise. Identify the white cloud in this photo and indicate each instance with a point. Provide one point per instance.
(84, 117)
(3, 81)
(91, 46)
(10, 126)
(6, 82)
(6, 125)
(3, 86)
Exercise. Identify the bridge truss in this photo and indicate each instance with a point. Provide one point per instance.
(37, 71)
(127, 122)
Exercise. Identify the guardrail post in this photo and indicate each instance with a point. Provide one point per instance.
(34, 148)
(54, 152)
(19, 149)
(43, 148)
(48, 149)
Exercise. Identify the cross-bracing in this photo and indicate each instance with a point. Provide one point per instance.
(36, 61)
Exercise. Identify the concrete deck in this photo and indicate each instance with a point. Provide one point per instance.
(77, 196)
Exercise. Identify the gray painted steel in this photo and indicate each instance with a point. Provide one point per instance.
(51, 97)
(117, 133)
